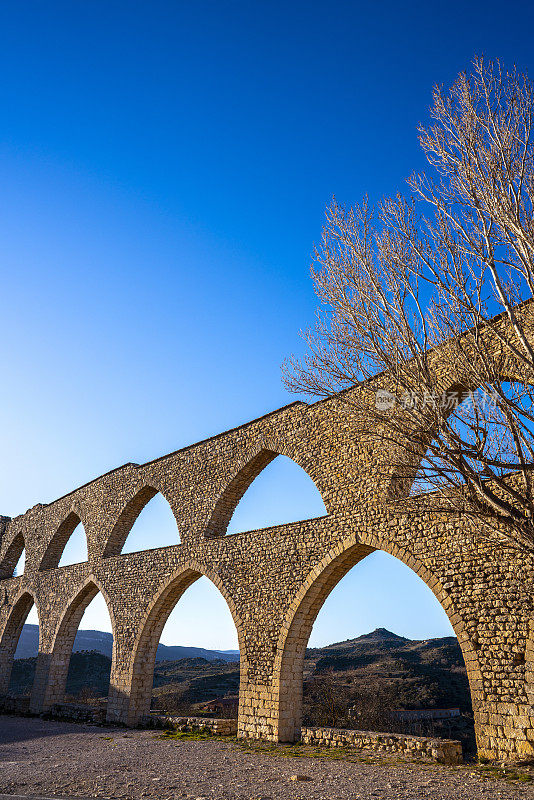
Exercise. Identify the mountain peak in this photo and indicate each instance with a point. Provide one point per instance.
(384, 635)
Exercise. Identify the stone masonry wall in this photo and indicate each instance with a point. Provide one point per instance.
(445, 751)
(211, 725)
(274, 580)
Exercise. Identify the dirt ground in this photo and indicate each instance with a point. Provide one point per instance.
(40, 757)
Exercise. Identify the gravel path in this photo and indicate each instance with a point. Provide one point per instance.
(54, 758)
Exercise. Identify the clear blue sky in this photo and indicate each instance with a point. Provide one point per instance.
(164, 169)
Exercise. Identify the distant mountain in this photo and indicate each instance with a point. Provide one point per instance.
(379, 635)
(102, 642)
(382, 635)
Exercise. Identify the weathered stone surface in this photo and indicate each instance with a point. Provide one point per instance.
(274, 580)
(14, 705)
(76, 713)
(218, 727)
(445, 751)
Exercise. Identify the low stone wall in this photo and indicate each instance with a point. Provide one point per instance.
(446, 751)
(76, 713)
(14, 705)
(218, 727)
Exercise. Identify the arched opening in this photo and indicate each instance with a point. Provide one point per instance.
(80, 662)
(14, 561)
(369, 647)
(147, 522)
(18, 649)
(269, 490)
(75, 551)
(282, 493)
(187, 656)
(68, 545)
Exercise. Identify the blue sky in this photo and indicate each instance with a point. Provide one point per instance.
(164, 170)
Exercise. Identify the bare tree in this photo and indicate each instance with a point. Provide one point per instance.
(425, 305)
(327, 702)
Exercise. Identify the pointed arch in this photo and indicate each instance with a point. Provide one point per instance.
(227, 502)
(238, 486)
(59, 540)
(128, 517)
(282, 494)
(141, 670)
(11, 635)
(12, 556)
(296, 630)
(58, 661)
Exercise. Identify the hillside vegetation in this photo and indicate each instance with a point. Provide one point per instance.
(419, 674)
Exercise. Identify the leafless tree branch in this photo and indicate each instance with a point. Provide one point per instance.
(426, 300)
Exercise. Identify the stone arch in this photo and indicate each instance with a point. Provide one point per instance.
(238, 485)
(12, 555)
(59, 540)
(11, 634)
(141, 669)
(297, 626)
(58, 660)
(127, 518)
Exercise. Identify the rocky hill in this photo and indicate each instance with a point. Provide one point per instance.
(420, 674)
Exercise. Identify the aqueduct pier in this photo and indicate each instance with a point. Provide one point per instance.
(274, 580)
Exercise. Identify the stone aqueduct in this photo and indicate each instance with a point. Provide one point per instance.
(274, 580)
